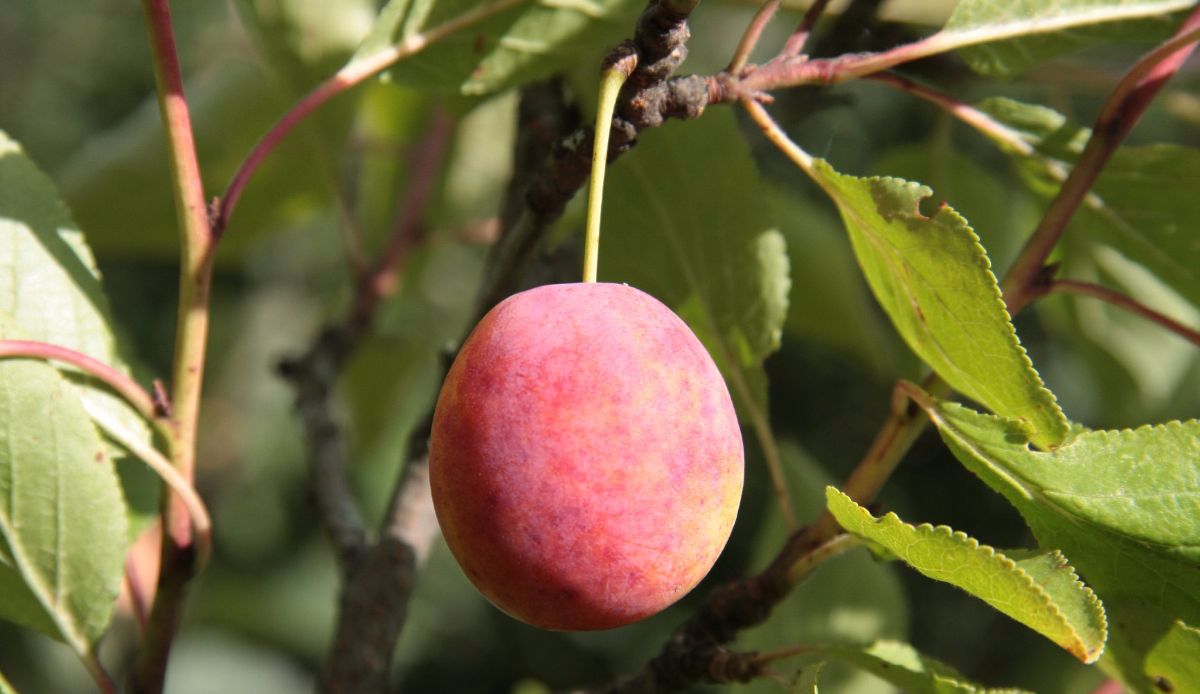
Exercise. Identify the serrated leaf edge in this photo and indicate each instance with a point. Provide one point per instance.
(1077, 648)
(924, 192)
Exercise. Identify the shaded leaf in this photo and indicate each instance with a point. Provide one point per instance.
(1063, 610)
(905, 667)
(852, 598)
(718, 260)
(529, 41)
(62, 519)
(935, 282)
(1006, 38)
(232, 105)
(1174, 663)
(1123, 505)
(1142, 203)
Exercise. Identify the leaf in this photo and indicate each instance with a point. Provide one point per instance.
(52, 292)
(529, 41)
(934, 280)
(1175, 660)
(5, 686)
(51, 289)
(906, 668)
(62, 519)
(1003, 39)
(806, 680)
(1142, 204)
(1123, 505)
(701, 245)
(1060, 608)
(232, 105)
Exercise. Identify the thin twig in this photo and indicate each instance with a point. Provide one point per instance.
(197, 243)
(794, 71)
(795, 43)
(315, 373)
(161, 466)
(352, 74)
(424, 164)
(750, 37)
(120, 382)
(981, 121)
(1112, 296)
(377, 576)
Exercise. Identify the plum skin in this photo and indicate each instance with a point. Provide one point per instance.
(585, 459)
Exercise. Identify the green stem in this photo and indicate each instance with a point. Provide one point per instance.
(610, 86)
(197, 243)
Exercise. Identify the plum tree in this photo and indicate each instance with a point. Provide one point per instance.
(585, 458)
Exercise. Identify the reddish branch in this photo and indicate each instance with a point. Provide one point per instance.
(125, 386)
(197, 244)
(1120, 113)
(1120, 300)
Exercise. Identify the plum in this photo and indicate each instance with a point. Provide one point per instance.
(585, 459)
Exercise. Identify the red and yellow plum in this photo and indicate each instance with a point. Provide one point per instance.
(585, 459)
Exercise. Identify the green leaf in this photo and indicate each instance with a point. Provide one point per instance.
(5, 686)
(1141, 204)
(906, 668)
(703, 247)
(53, 293)
(1006, 38)
(1058, 607)
(806, 680)
(232, 105)
(1175, 660)
(1123, 505)
(935, 282)
(305, 41)
(62, 519)
(521, 44)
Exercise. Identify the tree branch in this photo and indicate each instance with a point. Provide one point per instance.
(377, 575)
(1118, 116)
(795, 43)
(646, 101)
(764, 15)
(197, 243)
(1112, 296)
(121, 383)
(356, 72)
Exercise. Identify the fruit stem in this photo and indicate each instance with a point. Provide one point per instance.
(611, 80)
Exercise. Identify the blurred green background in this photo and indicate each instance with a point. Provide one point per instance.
(76, 90)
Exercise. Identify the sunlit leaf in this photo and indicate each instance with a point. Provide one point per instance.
(1009, 37)
(528, 41)
(50, 288)
(905, 667)
(1053, 603)
(1123, 505)
(935, 282)
(62, 519)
